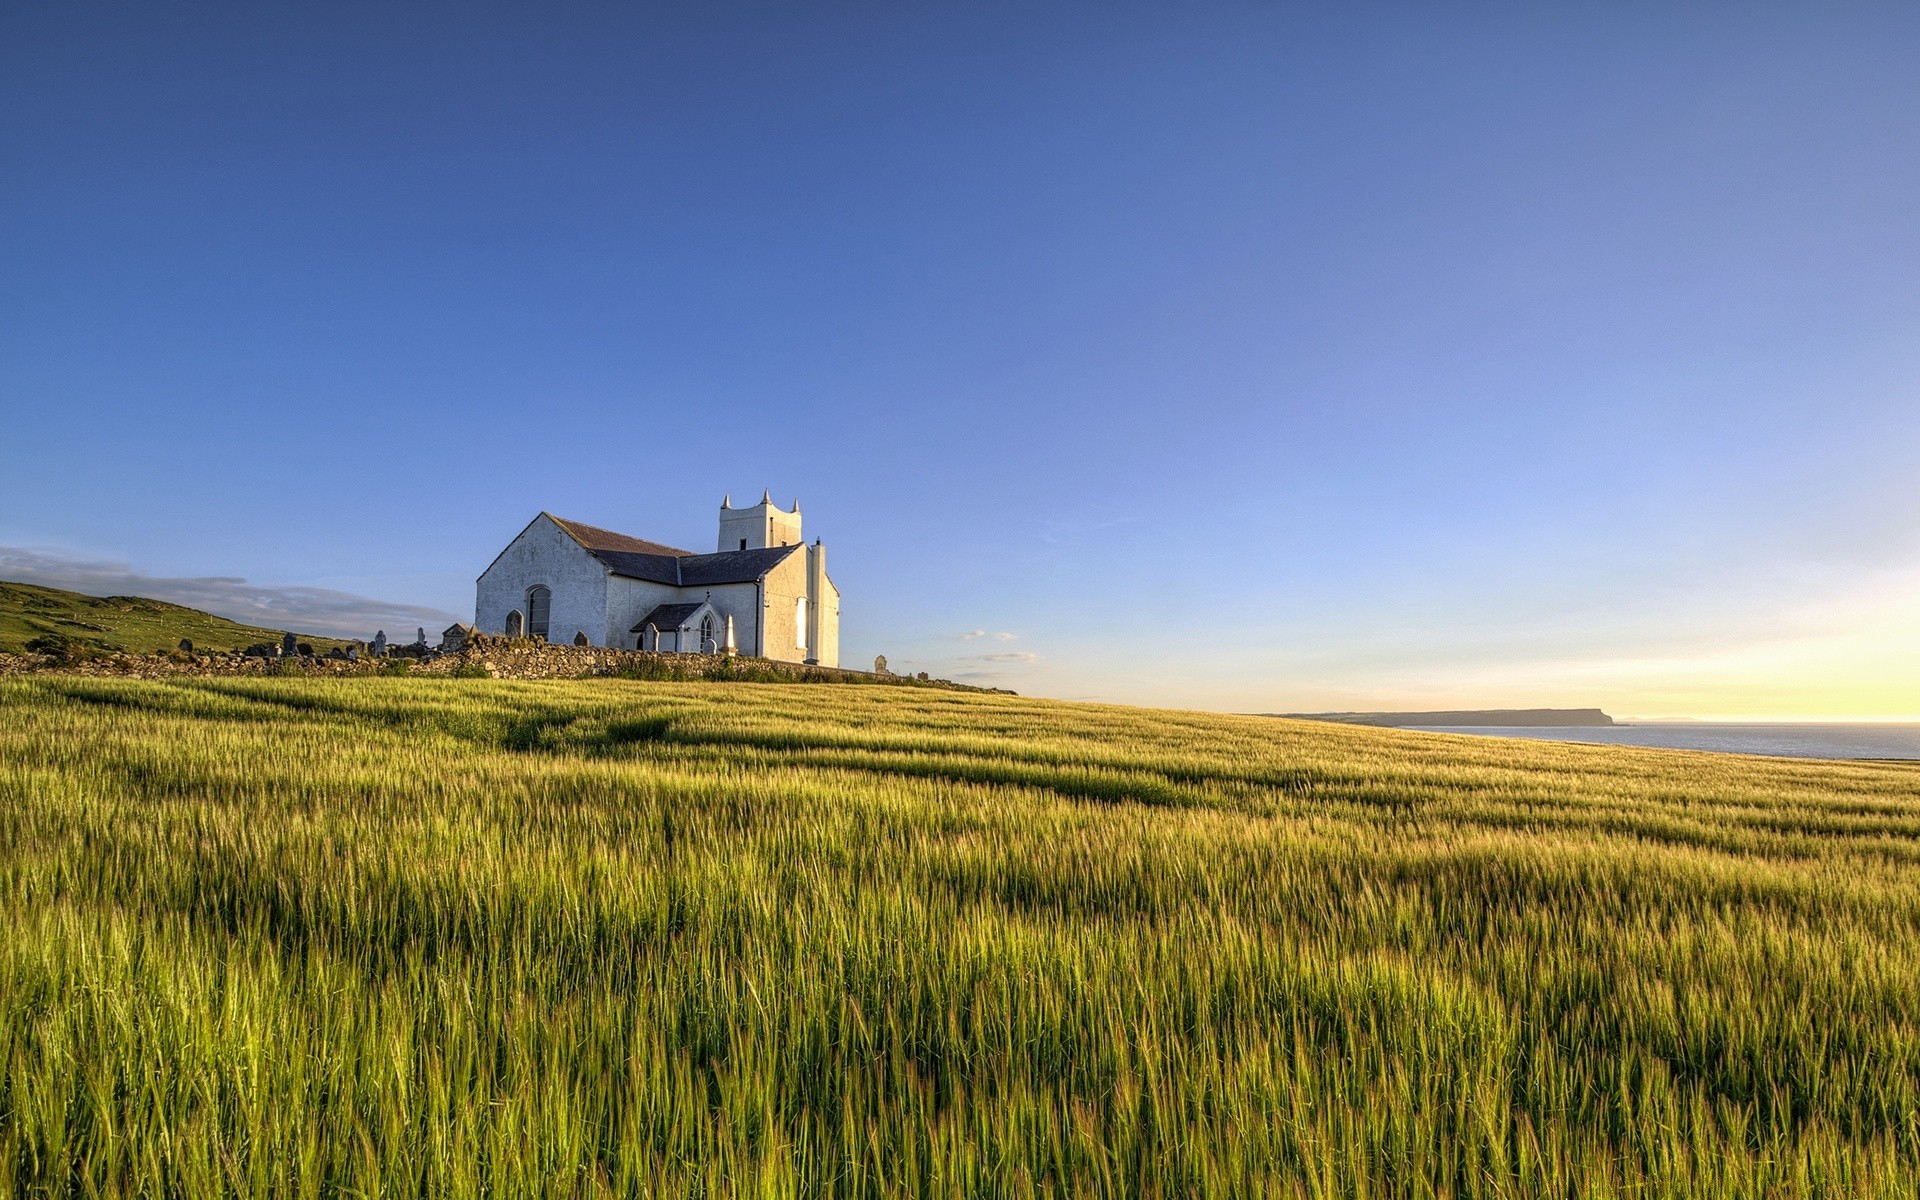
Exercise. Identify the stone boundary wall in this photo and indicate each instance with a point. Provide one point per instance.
(490, 657)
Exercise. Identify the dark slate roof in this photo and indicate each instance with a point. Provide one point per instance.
(657, 568)
(606, 539)
(668, 616)
(651, 561)
(731, 566)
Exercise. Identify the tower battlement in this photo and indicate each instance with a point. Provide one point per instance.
(758, 526)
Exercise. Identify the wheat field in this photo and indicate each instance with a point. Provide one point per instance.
(405, 937)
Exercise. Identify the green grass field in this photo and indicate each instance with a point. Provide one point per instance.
(131, 623)
(392, 937)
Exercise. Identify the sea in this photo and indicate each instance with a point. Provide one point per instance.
(1877, 741)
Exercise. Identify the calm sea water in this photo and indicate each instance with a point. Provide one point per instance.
(1791, 741)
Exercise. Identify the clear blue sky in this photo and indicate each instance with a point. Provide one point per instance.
(1236, 356)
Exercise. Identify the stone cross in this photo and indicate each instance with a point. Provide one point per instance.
(879, 664)
(420, 639)
(380, 644)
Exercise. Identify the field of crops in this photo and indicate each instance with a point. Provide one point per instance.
(385, 937)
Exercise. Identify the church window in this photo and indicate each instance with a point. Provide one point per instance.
(706, 634)
(516, 624)
(539, 604)
(800, 623)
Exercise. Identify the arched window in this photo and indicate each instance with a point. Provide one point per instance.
(706, 635)
(539, 604)
(800, 623)
(516, 624)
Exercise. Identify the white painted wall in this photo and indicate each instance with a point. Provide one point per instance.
(628, 600)
(827, 603)
(785, 584)
(544, 554)
(736, 600)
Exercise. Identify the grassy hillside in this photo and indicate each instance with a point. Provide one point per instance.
(464, 937)
(122, 623)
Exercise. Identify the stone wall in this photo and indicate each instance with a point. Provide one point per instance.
(493, 657)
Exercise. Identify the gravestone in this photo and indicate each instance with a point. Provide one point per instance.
(879, 664)
(186, 645)
(580, 639)
(353, 654)
(420, 639)
(380, 643)
(287, 647)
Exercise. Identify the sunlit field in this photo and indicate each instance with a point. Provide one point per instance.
(386, 937)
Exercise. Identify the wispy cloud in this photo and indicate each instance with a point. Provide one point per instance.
(1083, 528)
(1002, 636)
(1014, 656)
(302, 609)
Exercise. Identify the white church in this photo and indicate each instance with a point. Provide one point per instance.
(763, 592)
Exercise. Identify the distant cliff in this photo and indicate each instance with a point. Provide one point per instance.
(1485, 716)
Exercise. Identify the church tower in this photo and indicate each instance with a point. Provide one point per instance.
(759, 526)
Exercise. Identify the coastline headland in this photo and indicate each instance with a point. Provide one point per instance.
(1511, 717)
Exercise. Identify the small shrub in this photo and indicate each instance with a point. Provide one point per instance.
(396, 666)
(647, 668)
(472, 670)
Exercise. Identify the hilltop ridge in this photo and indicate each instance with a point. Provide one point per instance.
(138, 624)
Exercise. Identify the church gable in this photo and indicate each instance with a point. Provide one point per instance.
(544, 584)
(692, 627)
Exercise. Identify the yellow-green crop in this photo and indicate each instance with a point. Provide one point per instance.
(386, 937)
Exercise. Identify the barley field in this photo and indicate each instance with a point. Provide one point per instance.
(404, 937)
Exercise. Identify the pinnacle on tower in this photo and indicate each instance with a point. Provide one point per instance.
(726, 501)
(766, 495)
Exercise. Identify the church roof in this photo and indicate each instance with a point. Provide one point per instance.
(695, 570)
(669, 616)
(655, 563)
(594, 538)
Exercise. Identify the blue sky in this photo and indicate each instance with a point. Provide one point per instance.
(1259, 357)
